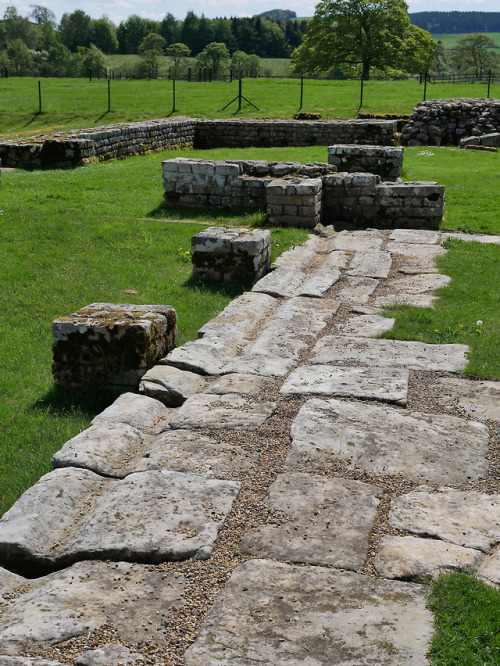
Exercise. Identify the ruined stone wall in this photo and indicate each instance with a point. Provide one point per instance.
(385, 161)
(441, 122)
(359, 198)
(246, 133)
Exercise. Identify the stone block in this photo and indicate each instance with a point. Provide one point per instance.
(111, 345)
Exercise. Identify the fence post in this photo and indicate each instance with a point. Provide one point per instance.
(489, 82)
(301, 91)
(39, 97)
(90, 73)
(109, 95)
(6, 72)
(210, 75)
(361, 92)
(189, 74)
(231, 75)
(425, 84)
(173, 91)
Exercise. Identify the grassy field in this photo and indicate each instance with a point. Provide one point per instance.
(76, 103)
(449, 41)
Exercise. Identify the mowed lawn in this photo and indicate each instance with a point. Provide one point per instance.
(76, 103)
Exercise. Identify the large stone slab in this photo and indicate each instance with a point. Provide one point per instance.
(415, 300)
(414, 258)
(464, 517)
(386, 384)
(383, 440)
(105, 448)
(74, 514)
(139, 411)
(27, 661)
(489, 571)
(230, 411)
(245, 384)
(358, 241)
(240, 316)
(285, 281)
(370, 264)
(318, 283)
(410, 558)
(390, 353)
(328, 521)
(300, 256)
(476, 238)
(335, 260)
(76, 601)
(293, 326)
(110, 654)
(419, 283)
(170, 385)
(9, 582)
(366, 326)
(188, 451)
(476, 399)
(424, 236)
(357, 290)
(274, 613)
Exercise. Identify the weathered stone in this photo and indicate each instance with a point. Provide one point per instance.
(382, 440)
(370, 264)
(328, 521)
(390, 353)
(410, 558)
(240, 317)
(104, 448)
(358, 241)
(170, 385)
(357, 290)
(109, 655)
(280, 342)
(80, 599)
(464, 517)
(489, 571)
(415, 300)
(188, 451)
(284, 281)
(476, 238)
(244, 384)
(27, 661)
(300, 257)
(386, 384)
(335, 260)
(229, 411)
(366, 326)
(73, 514)
(419, 283)
(415, 236)
(9, 582)
(274, 613)
(415, 258)
(318, 283)
(478, 400)
(111, 345)
(146, 414)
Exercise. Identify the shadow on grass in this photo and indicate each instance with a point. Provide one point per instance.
(32, 120)
(229, 289)
(209, 214)
(88, 402)
(101, 116)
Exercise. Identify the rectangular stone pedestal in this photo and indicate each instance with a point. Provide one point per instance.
(107, 345)
(294, 202)
(231, 255)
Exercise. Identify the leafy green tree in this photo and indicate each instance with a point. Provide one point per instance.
(103, 35)
(189, 32)
(205, 34)
(88, 58)
(74, 29)
(131, 32)
(178, 52)
(169, 29)
(418, 50)
(20, 58)
(273, 40)
(151, 47)
(223, 32)
(216, 56)
(358, 33)
(17, 27)
(244, 64)
(59, 60)
(472, 54)
(41, 15)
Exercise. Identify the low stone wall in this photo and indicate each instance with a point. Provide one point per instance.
(314, 192)
(439, 122)
(99, 143)
(384, 161)
(246, 133)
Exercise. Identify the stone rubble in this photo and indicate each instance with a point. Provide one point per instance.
(141, 544)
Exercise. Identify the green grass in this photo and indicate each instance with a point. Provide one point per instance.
(449, 40)
(467, 616)
(76, 103)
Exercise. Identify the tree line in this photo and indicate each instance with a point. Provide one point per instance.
(457, 22)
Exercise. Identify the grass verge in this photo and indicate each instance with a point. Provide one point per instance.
(466, 614)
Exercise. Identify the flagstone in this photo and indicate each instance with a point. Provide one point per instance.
(357, 241)
(414, 258)
(170, 385)
(245, 384)
(419, 283)
(489, 571)
(476, 399)
(357, 290)
(367, 326)
(284, 281)
(370, 264)
(415, 300)
(387, 441)
(423, 236)
(139, 411)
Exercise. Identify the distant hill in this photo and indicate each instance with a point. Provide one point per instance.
(279, 14)
(456, 22)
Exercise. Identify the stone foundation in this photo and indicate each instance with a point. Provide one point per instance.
(107, 345)
(303, 194)
(231, 255)
(440, 122)
(384, 161)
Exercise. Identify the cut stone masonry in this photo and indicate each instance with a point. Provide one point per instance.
(384, 161)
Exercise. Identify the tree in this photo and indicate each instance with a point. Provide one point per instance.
(103, 35)
(41, 15)
(19, 57)
(472, 54)
(189, 31)
(131, 32)
(74, 29)
(216, 56)
(359, 33)
(169, 29)
(17, 27)
(177, 52)
(244, 64)
(88, 58)
(150, 48)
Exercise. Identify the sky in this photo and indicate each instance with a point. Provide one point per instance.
(119, 10)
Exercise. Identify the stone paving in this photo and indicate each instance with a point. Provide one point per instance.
(277, 492)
